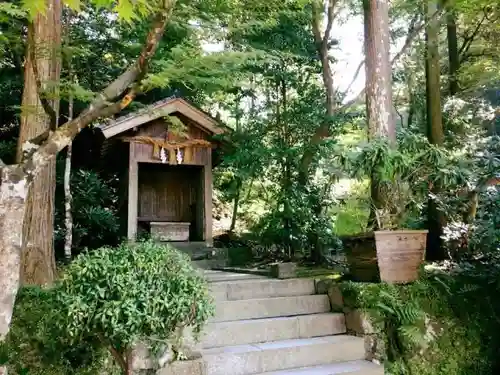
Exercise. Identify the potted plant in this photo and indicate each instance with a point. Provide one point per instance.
(400, 251)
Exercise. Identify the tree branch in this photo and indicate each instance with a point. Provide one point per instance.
(322, 130)
(469, 39)
(330, 19)
(116, 355)
(101, 106)
(355, 76)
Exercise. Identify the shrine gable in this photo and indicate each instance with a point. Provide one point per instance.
(170, 132)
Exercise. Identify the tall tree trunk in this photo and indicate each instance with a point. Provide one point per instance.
(435, 133)
(12, 213)
(379, 105)
(453, 53)
(43, 63)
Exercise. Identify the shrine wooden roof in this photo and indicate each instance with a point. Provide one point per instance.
(165, 107)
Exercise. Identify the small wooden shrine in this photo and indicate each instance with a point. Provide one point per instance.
(169, 148)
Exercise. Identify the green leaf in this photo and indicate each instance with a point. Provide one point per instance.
(73, 4)
(125, 10)
(33, 7)
(12, 10)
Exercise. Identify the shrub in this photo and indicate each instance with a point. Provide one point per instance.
(297, 228)
(36, 344)
(94, 210)
(131, 293)
(8, 150)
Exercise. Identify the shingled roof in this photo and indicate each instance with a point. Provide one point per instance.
(165, 107)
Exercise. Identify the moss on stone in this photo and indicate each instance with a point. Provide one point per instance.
(430, 327)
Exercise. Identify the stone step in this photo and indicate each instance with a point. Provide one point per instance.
(272, 329)
(270, 307)
(282, 355)
(345, 368)
(207, 264)
(262, 288)
(213, 276)
(194, 367)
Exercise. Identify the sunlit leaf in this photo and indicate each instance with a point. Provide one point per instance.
(33, 7)
(73, 4)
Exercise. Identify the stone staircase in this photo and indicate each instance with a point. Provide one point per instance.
(203, 257)
(274, 327)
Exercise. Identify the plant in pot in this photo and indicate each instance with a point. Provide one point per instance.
(400, 251)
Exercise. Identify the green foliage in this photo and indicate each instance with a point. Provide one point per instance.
(445, 323)
(94, 210)
(275, 114)
(37, 345)
(128, 10)
(295, 226)
(388, 165)
(132, 292)
(110, 297)
(8, 151)
(408, 171)
(486, 229)
(10, 10)
(352, 210)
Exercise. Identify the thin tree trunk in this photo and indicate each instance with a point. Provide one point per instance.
(43, 63)
(239, 182)
(287, 177)
(435, 133)
(68, 199)
(379, 104)
(236, 204)
(453, 54)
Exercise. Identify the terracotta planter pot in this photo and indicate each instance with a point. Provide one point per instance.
(400, 254)
(361, 256)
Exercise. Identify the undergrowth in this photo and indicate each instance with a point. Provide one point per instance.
(36, 344)
(443, 324)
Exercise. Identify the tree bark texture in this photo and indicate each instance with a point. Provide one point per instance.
(43, 63)
(12, 210)
(435, 133)
(16, 179)
(379, 105)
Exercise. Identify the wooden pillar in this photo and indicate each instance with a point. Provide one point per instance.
(133, 187)
(207, 186)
